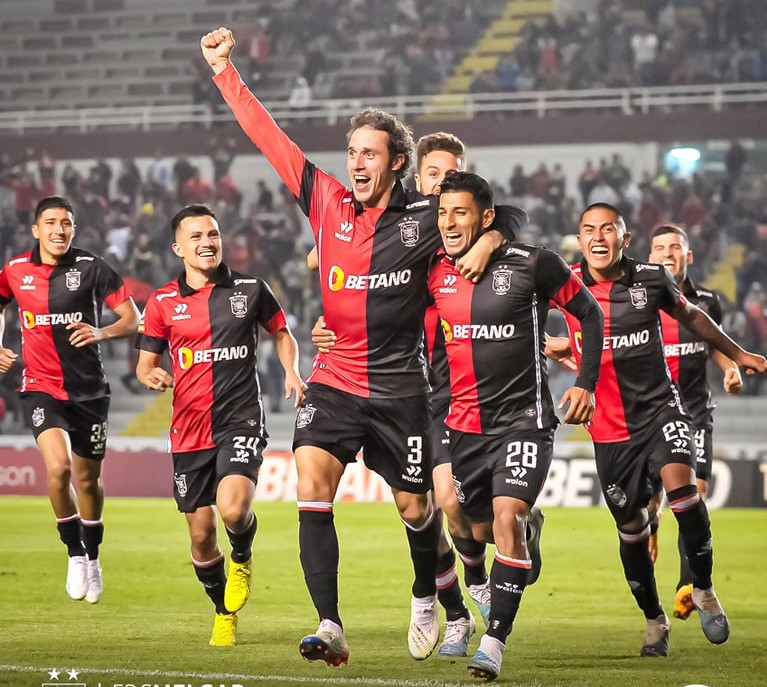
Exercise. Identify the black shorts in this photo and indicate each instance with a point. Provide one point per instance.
(393, 433)
(439, 431)
(515, 463)
(629, 471)
(197, 473)
(704, 452)
(84, 421)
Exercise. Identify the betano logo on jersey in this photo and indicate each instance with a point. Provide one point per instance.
(187, 357)
(493, 332)
(615, 342)
(49, 319)
(680, 349)
(338, 279)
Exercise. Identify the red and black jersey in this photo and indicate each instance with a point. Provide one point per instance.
(635, 384)
(50, 297)
(494, 336)
(373, 263)
(687, 355)
(212, 337)
(439, 370)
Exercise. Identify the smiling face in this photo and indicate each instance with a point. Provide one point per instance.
(671, 251)
(54, 229)
(432, 170)
(460, 221)
(198, 244)
(602, 237)
(371, 169)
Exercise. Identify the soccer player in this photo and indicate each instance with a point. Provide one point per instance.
(208, 320)
(642, 432)
(501, 415)
(374, 242)
(686, 356)
(60, 290)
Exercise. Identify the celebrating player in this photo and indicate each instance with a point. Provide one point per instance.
(60, 290)
(686, 356)
(208, 320)
(642, 432)
(374, 243)
(501, 416)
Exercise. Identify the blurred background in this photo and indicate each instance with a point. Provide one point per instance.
(656, 106)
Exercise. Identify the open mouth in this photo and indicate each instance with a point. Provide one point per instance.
(599, 251)
(452, 238)
(207, 254)
(361, 182)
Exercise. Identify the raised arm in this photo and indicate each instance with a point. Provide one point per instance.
(283, 154)
(700, 324)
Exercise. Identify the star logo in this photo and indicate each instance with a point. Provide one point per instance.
(73, 674)
(54, 674)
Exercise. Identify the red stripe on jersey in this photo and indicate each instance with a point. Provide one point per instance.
(670, 328)
(568, 291)
(430, 324)
(117, 297)
(277, 322)
(609, 422)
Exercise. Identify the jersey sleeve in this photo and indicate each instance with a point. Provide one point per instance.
(572, 296)
(270, 314)
(6, 295)
(109, 285)
(509, 221)
(714, 308)
(670, 295)
(152, 330)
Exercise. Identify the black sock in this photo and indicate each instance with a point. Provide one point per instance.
(685, 574)
(507, 584)
(318, 545)
(93, 535)
(242, 541)
(448, 589)
(472, 554)
(213, 578)
(695, 530)
(424, 544)
(70, 533)
(640, 573)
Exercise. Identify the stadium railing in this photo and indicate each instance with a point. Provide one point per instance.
(628, 101)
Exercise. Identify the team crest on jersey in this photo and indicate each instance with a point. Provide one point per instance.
(638, 297)
(616, 495)
(408, 231)
(181, 487)
(239, 304)
(73, 280)
(502, 281)
(305, 416)
(38, 416)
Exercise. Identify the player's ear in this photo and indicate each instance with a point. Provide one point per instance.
(626, 239)
(397, 162)
(689, 257)
(417, 179)
(36, 231)
(177, 250)
(487, 217)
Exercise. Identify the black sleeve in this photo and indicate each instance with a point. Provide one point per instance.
(715, 309)
(585, 308)
(144, 342)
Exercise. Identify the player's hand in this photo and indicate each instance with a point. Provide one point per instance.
(84, 334)
(294, 384)
(581, 405)
(752, 363)
(158, 380)
(217, 47)
(323, 338)
(7, 358)
(733, 382)
(473, 264)
(558, 348)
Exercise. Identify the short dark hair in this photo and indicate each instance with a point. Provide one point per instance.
(619, 220)
(473, 183)
(190, 211)
(53, 202)
(400, 134)
(671, 229)
(440, 140)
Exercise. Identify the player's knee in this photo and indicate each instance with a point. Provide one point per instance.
(202, 536)
(59, 473)
(637, 524)
(483, 532)
(416, 510)
(509, 526)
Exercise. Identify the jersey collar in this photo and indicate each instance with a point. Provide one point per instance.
(688, 287)
(223, 278)
(66, 260)
(628, 272)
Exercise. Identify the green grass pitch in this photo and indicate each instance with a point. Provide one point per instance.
(578, 626)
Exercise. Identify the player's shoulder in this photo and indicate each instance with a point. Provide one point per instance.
(166, 292)
(524, 252)
(645, 271)
(242, 281)
(18, 260)
(415, 202)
